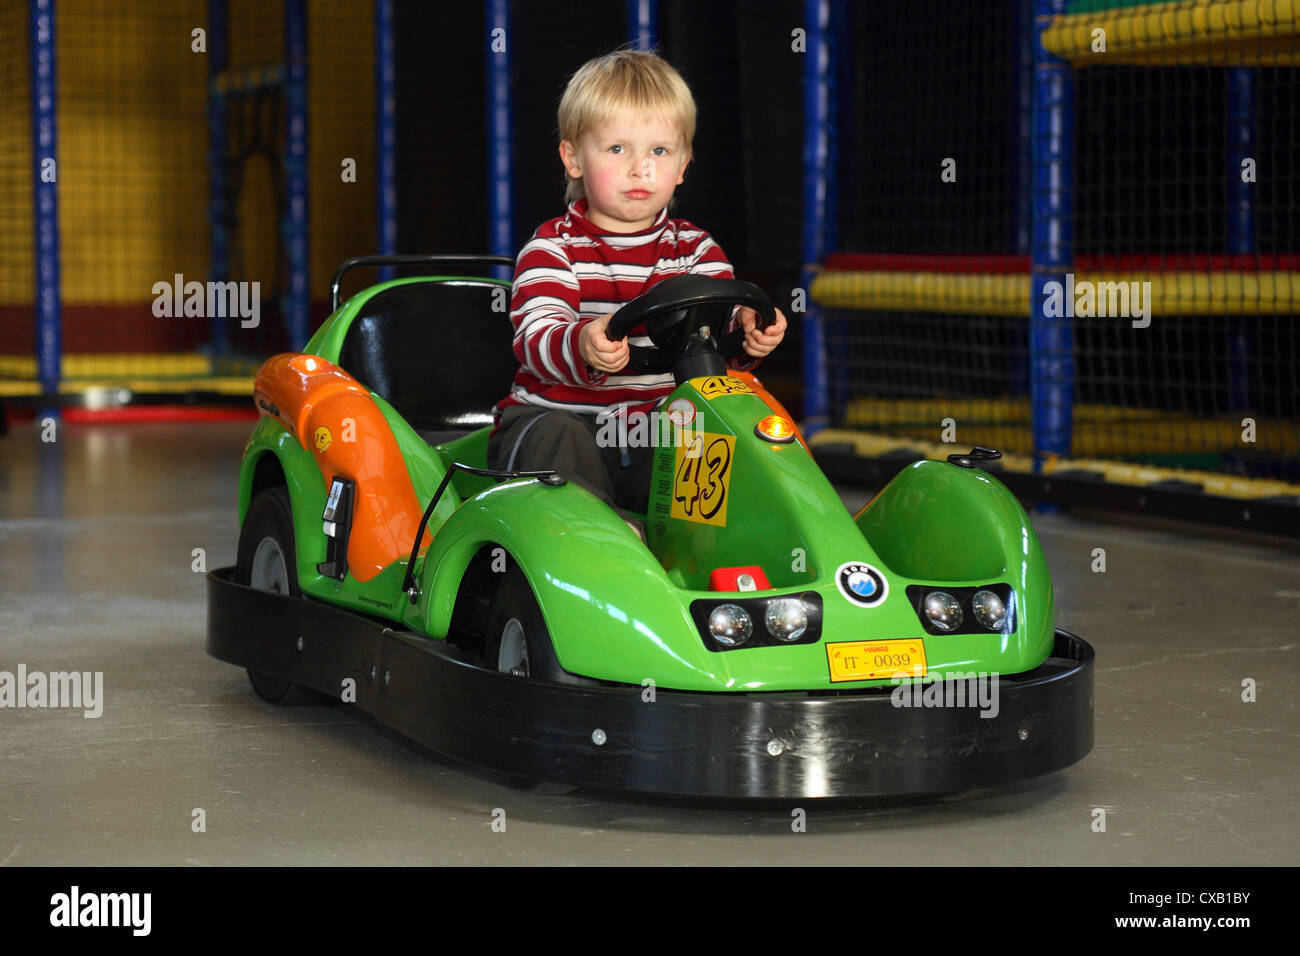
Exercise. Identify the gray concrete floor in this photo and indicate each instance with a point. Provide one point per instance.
(97, 531)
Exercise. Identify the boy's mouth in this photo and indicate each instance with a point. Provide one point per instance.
(638, 194)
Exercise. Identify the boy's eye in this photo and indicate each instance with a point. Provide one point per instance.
(657, 150)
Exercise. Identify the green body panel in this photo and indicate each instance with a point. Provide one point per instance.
(942, 524)
(307, 495)
(781, 512)
(606, 603)
(619, 612)
(601, 592)
(470, 450)
(301, 474)
(423, 463)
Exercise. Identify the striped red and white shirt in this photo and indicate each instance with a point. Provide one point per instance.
(570, 273)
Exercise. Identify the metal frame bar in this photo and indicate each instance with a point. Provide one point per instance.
(386, 128)
(500, 139)
(817, 173)
(1051, 355)
(296, 302)
(44, 92)
(642, 20)
(219, 217)
(1241, 216)
(1026, 37)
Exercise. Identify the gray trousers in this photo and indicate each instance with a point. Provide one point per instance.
(534, 439)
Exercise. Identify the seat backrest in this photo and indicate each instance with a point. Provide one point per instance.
(436, 351)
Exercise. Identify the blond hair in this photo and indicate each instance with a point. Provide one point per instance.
(625, 80)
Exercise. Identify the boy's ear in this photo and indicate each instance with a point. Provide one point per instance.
(682, 175)
(569, 157)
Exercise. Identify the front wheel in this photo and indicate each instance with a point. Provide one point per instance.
(266, 560)
(518, 641)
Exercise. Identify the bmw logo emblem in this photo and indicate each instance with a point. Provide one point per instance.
(862, 584)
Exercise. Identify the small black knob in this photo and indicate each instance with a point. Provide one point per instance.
(978, 453)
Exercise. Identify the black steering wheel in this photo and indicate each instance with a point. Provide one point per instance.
(684, 317)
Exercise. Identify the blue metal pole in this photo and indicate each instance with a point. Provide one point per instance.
(1018, 363)
(838, 83)
(642, 18)
(1051, 345)
(297, 301)
(839, 374)
(1026, 36)
(1241, 217)
(500, 199)
(386, 124)
(816, 183)
(219, 217)
(49, 319)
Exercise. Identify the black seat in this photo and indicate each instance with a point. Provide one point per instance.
(436, 352)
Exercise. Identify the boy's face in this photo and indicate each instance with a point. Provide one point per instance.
(630, 169)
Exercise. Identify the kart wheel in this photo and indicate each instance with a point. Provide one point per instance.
(266, 560)
(518, 641)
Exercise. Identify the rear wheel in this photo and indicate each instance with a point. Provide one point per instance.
(266, 560)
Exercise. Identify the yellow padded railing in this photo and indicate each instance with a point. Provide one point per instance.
(1172, 293)
(1204, 32)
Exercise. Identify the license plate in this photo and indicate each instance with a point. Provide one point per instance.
(876, 660)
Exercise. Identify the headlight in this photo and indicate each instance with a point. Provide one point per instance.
(775, 429)
(730, 625)
(786, 619)
(942, 610)
(989, 610)
(744, 622)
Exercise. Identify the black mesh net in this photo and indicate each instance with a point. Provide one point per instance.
(140, 89)
(17, 222)
(1183, 153)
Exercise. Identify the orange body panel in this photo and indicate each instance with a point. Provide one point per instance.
(770, 400)
(333, 417)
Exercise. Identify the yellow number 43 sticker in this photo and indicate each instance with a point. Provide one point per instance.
(702, 478)
(715, 385)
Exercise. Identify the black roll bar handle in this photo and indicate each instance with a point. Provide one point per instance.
(348, 265)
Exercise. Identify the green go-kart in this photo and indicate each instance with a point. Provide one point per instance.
(760, 642)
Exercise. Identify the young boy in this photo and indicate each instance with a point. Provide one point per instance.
(626, 124)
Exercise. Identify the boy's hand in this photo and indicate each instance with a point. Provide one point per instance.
(759, 344)
(598, 350)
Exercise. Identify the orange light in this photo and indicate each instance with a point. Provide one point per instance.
(775, 428)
